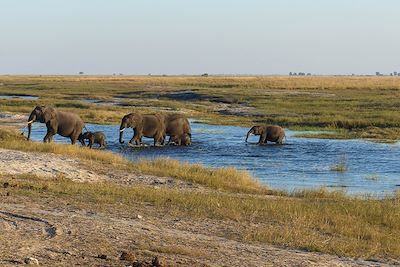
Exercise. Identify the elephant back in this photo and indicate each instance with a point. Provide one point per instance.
(177, 124)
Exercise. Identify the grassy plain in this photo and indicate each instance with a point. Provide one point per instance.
(312, 220)
(351, 107)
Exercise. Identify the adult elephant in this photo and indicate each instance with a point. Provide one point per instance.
(272, 133)
(151, 126)
(66, 124)
(177, 127)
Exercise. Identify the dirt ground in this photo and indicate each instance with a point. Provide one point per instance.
(61, 232)
(68, 232)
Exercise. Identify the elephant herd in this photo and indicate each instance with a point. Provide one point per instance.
(157, 126)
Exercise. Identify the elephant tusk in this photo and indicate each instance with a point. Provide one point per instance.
(122, 130)
(29, 122)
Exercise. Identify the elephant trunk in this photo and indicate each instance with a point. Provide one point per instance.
(31, 120)
(248, 133)
(121, 135)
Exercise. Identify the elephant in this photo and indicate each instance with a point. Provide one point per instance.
(272, 133)
(178, 127)
(66, 124)
(95, 138)
(182, 140)
(151, 126)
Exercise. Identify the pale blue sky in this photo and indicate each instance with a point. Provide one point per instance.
(192, 37)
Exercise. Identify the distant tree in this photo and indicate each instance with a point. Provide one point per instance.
(81, 72)
(309, 74)
(391, 74)
(290, 73)
(395, 73)
(378, 73)
(294, 74)
(204, 75)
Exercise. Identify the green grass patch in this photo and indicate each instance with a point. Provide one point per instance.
(357, 106)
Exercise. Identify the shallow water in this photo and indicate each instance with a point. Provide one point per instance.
(300, 163)
(24, 97)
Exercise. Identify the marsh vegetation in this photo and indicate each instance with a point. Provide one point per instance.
(353, 107)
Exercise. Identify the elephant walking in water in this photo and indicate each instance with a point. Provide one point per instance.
(177, 127)
(66, 124)
(272, 133)
(151, 126)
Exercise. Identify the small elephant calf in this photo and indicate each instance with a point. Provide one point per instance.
(272, 133)
(180, 140)
(95, 138)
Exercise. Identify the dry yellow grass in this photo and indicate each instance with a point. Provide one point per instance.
(338, 225)
(222, 179)
(228, 179)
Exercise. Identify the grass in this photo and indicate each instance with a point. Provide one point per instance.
(226, 179)
(341, 166)
(372, 177)
(312, 220)
(335, 224)
(353, 107)
(222, 179)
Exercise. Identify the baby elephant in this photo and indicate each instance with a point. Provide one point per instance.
(180, 140)
(95, 138)
(272, 133)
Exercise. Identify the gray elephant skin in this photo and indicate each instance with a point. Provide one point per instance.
(95, 138)
(182, 140)
(151, 126)
(178, 129)
(66, 124)
(272, 133)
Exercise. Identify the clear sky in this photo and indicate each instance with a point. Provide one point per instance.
(193, 37)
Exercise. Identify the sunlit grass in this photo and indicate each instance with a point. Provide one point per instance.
(228, 179)
(358, 107)
(311, 220)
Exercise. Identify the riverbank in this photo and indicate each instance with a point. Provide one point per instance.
(103, 205)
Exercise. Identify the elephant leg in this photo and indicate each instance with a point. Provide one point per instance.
(163, 139)
(81, 139)
(158, 139)
(49, 137)
(261, 140)
(77, 135)
(136, 140)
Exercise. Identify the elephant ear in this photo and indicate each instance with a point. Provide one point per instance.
(135, 118)
(49, 114)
